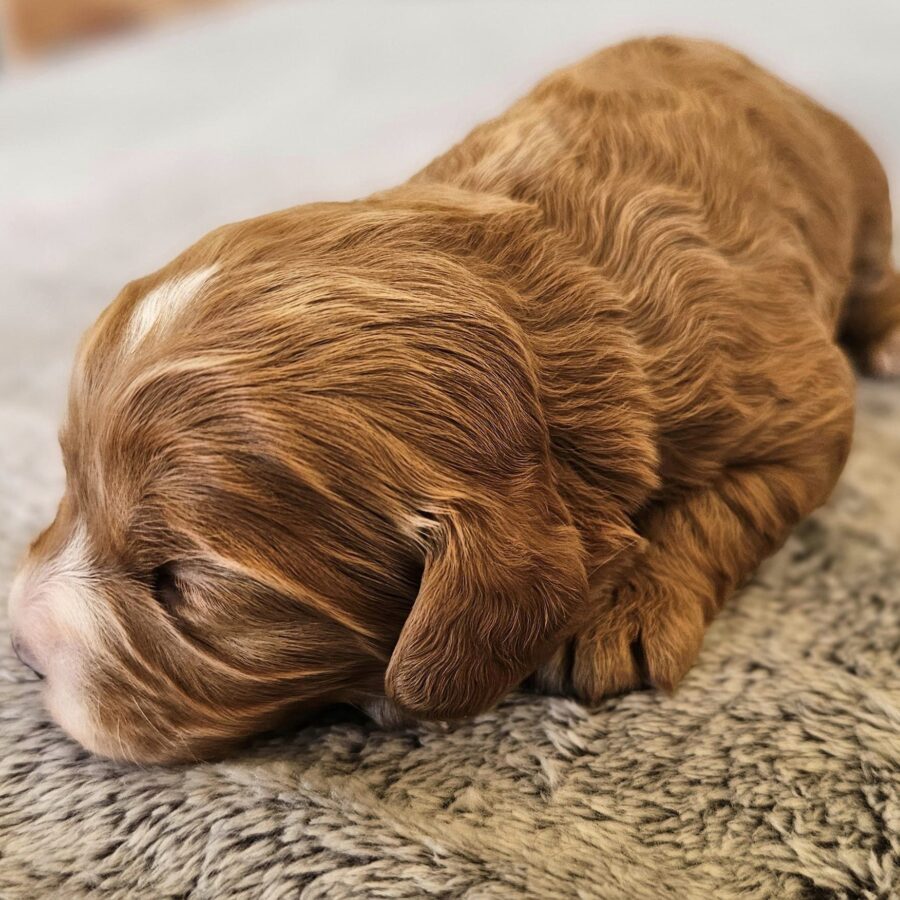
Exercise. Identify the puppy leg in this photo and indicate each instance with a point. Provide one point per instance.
(700, 548)
(706, 542)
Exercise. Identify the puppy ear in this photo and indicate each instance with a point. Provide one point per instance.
(502, 585)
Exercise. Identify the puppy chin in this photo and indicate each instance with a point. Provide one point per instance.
(64, 700)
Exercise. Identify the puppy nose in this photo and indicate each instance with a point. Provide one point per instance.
(25, 657)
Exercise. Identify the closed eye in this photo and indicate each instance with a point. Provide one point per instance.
(165, 588)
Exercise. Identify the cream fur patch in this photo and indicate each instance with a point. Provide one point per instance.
(54, 601)
(160, 307)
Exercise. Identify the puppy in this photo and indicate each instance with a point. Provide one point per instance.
(536, 412)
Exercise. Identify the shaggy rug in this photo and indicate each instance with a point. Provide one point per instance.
(774, 771)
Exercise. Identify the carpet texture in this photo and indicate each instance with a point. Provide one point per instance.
(774, 771)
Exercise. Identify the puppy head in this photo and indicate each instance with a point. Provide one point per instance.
(298, 473)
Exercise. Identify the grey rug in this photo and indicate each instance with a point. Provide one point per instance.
(773, 772)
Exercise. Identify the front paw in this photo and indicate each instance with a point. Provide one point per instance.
(643, 635)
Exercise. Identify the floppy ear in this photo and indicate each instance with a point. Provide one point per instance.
(503, 584)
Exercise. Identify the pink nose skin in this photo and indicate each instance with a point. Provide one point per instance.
(25, 657)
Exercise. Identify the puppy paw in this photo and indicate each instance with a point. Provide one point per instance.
(884, 356)
(646, 637)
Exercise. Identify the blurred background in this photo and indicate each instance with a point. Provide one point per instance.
(128, 128)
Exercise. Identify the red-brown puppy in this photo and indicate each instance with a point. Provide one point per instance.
(540, 409)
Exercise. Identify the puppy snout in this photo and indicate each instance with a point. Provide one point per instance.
(24, 656)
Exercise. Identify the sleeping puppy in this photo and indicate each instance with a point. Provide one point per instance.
(534, 413)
